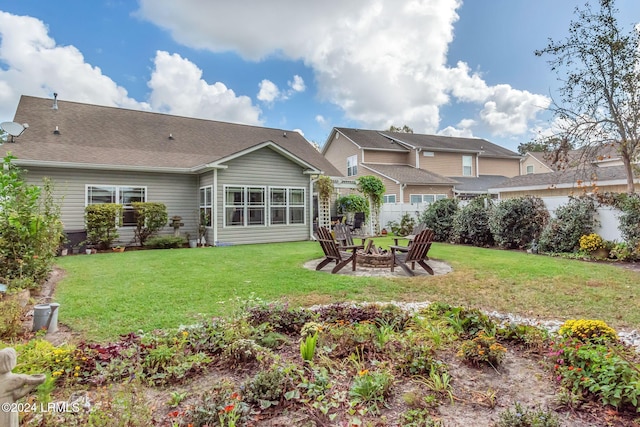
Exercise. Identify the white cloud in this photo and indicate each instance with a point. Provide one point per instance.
(381, 61)
(177, 88)
(269, 92)
(320, 119)
(297, 85)
(33, 64)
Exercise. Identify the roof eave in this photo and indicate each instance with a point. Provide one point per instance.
(110, 167)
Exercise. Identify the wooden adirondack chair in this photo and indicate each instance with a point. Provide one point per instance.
(415, 252)
(416, 230)
(345, 238)
(334, 253)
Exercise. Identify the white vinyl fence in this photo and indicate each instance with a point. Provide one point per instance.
(607, 217)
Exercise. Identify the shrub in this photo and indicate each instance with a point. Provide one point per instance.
(439, 217)
(352, 203)
(481, 350)
(10, 317)
(629, 219)
(150, 218)
(165, 242)
(587, 330)
(602, 370)
(404, 227)
(471, 223)
(102, 221)
(30, 228)
(572, 220)
(266, 387)
(516, 222)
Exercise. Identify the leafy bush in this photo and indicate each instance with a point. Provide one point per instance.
(352, 203)
(471, 223)
(150, 218)
(629, 219)
(602, 370)
(30, 228)
(102, 221)
(266, 387)
(483, 349)
(165, 242)
(10, 317)
(439, 217)
(574, 219)
(514, 223)
(404, 227)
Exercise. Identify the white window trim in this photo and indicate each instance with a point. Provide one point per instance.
(266, 206)
(386, 196)
(529, 166)
(470, 165)
(352, 165)
(245, 206)
(436, 197)
(208, 205)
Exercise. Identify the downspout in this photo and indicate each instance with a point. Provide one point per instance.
(418, 158)
(215, 207)
(402, 187)
(477, 165)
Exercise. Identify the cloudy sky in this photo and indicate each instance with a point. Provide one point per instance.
(440, 66)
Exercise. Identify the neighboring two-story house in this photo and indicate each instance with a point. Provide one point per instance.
(417, 168)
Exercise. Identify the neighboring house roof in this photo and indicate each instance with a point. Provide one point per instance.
(108, 137)
(399, 141)
(542, 158)
(480, 146)
(613, 175)
(369, 139)
(405, 174)
(478, 185)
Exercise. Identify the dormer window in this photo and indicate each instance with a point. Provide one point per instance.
(352, 165)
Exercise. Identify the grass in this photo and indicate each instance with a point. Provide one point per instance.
(109, 294)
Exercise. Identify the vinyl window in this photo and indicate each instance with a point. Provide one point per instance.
(124, 195)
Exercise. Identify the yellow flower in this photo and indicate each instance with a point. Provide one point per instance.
(363, 372)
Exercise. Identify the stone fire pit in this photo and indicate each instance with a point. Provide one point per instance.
(373, 257)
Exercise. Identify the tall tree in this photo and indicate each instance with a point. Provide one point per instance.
(599, 104)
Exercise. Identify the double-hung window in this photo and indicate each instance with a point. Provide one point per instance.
(467, 165)
(352, 165)
(206, 205)
(96, 194)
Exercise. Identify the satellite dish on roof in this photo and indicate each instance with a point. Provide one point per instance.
(14, 129)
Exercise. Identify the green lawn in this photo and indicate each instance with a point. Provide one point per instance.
(109, 294)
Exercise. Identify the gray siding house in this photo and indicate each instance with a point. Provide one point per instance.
(251, 184)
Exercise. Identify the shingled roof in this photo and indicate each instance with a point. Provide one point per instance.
(86, 134)
(399, 141)
(567, 178)
(406, 174)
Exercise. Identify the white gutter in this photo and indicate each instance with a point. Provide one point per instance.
(122, 168)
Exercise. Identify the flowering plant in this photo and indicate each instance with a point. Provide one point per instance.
(591, 242)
